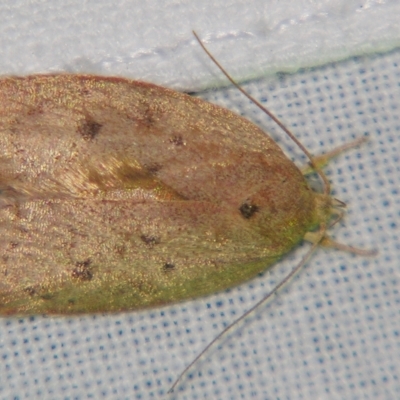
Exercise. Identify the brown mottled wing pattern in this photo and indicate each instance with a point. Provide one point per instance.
(116, 194)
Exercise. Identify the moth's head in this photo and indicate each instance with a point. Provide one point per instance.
(328, 209)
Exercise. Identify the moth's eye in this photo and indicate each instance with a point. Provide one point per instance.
(248, 210)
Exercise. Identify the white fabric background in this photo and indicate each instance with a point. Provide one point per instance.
(334, 332)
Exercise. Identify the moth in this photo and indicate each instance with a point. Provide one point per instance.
(117, 195)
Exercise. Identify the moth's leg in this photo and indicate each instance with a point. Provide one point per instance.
(322, 160)
(314, 237)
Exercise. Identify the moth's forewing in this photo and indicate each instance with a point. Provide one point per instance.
(118, 194)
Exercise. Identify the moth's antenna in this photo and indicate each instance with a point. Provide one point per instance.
(292, 273)
(317, 238)
(327, 186)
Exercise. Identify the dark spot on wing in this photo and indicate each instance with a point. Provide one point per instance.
(30, 291)
(150, 240)
(82, 271)
(152, 169)
(248, 210)
(177, 140)
(85, 92)
(168, 267)
(89, 129)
